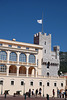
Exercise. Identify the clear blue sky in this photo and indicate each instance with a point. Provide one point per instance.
(18, 19)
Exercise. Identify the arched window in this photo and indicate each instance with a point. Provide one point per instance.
(3, 55)
(3, 68)
(31, 58)
(47, 73)
(22, 57)
(13, 56)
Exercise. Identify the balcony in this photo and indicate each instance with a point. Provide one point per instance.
(3, 73)
(22, 63)
(3, 61)
(13, 74)
(15, 62)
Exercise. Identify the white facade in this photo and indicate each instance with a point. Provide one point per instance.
(60, 83)
(21, 69)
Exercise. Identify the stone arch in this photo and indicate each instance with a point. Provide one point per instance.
(12, 69)
(22, 70)
(32, 71)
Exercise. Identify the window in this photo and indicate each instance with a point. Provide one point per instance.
(19, 46)
(12, 82)
(1, 82)
(0, 44)
(36, 49)
(61, 84)
(10, 45)
(31, 58)
(22, 82)
(55, 84)
(31, 83)
(3, 68)
(22, 57)
(47, 73)
(45, 42)
(40, 83)
(44, 51)
(3, 55)
(13, 56)
(48, 64)
(27, 48)
(48, 84)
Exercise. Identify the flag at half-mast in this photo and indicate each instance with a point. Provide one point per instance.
(39, 21)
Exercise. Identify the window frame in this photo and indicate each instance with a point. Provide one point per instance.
(1, 82)
(13, 56)
(48, 74)
(45, 51)
(48, 84)
(40, 83)
(12, 83)
(9, 45)
(45, 43)
(32, 58)
(31, 83)
(61, 84)
(3, 55)
(22, 83)
(55, 84)
(22, 57)
(3, 68)
(18, 46)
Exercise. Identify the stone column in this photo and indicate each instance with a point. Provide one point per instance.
(27, 55)
(8, 55)
(18, 70)
(27, 71)
(8, 70)
(36, 72)
(18, 57)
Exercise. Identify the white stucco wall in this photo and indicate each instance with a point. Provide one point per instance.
(17, 84)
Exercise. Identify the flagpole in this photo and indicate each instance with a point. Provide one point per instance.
(42, 23)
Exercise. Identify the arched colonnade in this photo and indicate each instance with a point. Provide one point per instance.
(21, 70)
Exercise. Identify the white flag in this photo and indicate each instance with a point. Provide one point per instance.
(39, 21)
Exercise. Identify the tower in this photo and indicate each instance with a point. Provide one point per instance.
(50, 60)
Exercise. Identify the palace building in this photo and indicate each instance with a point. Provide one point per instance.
(25, 66)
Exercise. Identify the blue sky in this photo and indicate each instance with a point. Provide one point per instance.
(18, 19)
